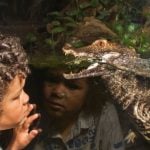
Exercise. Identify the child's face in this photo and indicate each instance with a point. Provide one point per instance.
(64, 97)
(14, 104)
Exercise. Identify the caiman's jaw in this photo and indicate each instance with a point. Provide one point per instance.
(111, 54)
(91, 71)
(96, 61)
(97, 66)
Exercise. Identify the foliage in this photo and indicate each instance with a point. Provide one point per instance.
(123, 16)
(59, 26)
(58, 61)
(31, 38)
(126, 20)
(131, 35)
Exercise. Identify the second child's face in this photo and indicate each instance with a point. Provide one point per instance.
(64, 97)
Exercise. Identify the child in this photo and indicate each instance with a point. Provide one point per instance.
(75, 115)
(14, 102)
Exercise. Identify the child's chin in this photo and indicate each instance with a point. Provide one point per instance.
(21, 121)
(55, 114)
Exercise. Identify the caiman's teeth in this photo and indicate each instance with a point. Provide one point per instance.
(92, 66)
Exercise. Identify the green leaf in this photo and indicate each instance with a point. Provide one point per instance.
(106, 2)
(94, 3)
(31, 38)
(55, 23)
(58, 30)
(103, 14)
(73, 13)
(84, 5)
(50, 43)
(72, 25)
(126, 39)
(119, 28)
(54, 13)
(133, 41)
(131, 27)
(68, 19)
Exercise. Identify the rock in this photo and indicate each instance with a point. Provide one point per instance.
(92, 29)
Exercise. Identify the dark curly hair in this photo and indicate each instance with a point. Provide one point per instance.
(13, 61)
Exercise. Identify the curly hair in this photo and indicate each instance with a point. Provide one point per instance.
(96, 97)
(13, 61)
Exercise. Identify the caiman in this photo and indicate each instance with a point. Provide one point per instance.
(125, 74)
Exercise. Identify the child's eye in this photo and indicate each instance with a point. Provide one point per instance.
(53, 80)
(72, 86)
(17, 97)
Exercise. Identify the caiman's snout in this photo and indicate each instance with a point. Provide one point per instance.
(109, 57)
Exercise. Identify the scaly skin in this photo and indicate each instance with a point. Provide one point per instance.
(102, 51)
(127, 86)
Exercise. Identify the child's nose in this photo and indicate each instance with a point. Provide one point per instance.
(25, 97)
(59, 87)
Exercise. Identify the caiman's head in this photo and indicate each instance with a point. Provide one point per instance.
(100, 55)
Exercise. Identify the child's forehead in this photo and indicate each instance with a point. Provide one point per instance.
(57, 74)
(15, 85)
(58, 77)
(54, 73)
